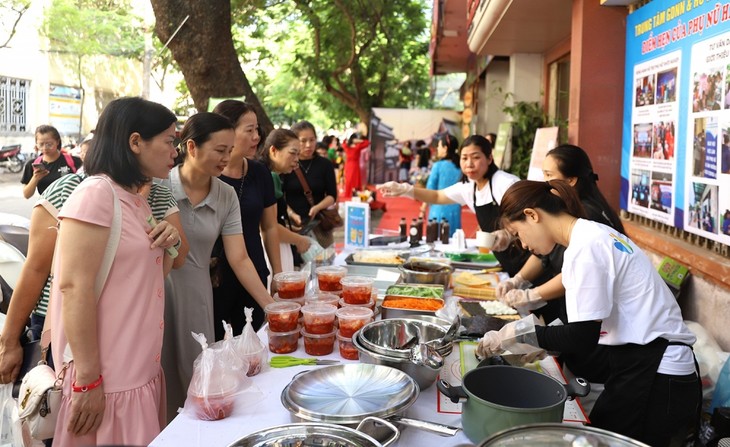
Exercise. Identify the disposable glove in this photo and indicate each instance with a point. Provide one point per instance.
(518, 337)
(516, 282)
(502, 239)
(395, 189)
(520, 297)
(490, 345)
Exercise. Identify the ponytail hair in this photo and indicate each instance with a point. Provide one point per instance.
(572, 161)
(553, 197)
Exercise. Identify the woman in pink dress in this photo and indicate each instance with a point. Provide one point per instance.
(353, 177)
(113, 390)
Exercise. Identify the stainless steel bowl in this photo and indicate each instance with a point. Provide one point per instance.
(423, 375)
(385, 337)
(313, 433)
(426, 272)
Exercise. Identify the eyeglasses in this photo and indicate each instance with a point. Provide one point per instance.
(47, 145)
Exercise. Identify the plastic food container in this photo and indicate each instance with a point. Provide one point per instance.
(282, 316)
(283, 342)
(319, 318)
(319, 344)
(214, 407)
(328, 277)
(347, 348)
(290, 284)
(357, 289)
(352, 318)
(326, 298)
(370, 305)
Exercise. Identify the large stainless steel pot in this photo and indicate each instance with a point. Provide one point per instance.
(501, 397)
(317, 433)
(426, 272)
(424, 376)
(388, 337)
(558, 435)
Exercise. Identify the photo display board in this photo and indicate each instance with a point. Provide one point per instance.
(675, 165)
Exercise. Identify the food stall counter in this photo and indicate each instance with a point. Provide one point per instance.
(260, 407)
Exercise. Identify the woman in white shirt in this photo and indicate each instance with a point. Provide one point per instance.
(481, 189)
(614, 297)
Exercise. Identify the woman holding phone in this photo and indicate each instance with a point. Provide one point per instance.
(50, 166)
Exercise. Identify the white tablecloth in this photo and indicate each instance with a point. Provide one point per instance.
(261, 407)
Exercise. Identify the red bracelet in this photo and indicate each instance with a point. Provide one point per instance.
(85, 388)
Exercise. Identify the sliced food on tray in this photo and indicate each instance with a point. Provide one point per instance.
(416, 290)
(470, 279)
(378, 257)
(492, 308)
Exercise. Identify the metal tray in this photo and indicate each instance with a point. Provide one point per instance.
(345, 394)
(350, 260)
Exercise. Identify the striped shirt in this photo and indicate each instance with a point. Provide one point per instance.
(160, 200)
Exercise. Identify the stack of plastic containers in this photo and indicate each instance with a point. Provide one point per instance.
(319, 328)
(283, 330)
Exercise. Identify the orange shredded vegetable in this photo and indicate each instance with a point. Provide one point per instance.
(412, 303)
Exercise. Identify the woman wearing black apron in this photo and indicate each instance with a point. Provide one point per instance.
(615, 297)
(481, 189)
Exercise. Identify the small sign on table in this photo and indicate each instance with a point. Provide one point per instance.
(357, 224)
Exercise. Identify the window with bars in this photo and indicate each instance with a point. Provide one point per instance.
(13, 104)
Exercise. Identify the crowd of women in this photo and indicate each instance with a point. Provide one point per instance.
(219, 191)
(221, 187)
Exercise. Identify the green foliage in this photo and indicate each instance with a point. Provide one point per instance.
(527, 117)
(304, 61)
(94, 27)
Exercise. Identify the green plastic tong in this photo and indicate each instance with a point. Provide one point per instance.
(284, 361)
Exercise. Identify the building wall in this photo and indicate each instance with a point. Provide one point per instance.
(525, 77)
(598, 44)
(491, 97)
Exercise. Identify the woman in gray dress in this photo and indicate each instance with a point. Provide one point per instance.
(208, 208)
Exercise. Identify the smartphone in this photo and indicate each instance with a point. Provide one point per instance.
(40, 166)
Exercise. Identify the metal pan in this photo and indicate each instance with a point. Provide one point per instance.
(347, 394)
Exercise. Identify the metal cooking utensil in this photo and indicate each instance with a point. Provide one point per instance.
(284, 361)
(439, 429)
(426, 355)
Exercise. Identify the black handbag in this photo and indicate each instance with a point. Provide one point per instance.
(329, 218)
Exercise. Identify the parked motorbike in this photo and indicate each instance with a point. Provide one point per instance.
(11, 158)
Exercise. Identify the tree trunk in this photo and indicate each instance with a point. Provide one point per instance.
(204, 51)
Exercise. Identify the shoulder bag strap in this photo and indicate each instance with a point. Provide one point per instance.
(305, 186)
(106, 264)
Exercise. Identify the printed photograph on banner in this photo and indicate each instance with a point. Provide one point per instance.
(642, 140)
(660, 195)
(640, 188)
(644, 92)
(725, 148)
(704, 147)
(703, 207)
(666, 90)
(725, 218)
(707, 89)
(663, 140)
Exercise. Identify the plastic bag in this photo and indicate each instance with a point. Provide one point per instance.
(315, 250)
(11, 432)
(249, 346)
(709, 356)
(721, 396)
(217, 379)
